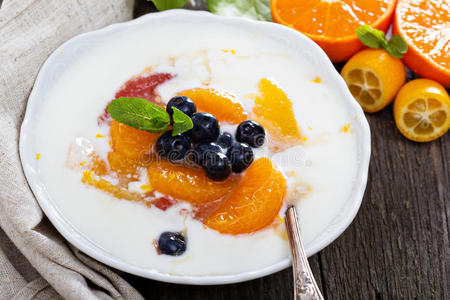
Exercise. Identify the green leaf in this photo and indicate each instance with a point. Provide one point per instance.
(140, 114)
(252, 9)
(397, 46)
(375, 38)
(371, 37)
(181, 122)
(169, 4)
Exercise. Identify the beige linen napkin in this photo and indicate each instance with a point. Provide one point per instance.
(29, 31)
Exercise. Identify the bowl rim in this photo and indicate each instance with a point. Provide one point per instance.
(73, 236)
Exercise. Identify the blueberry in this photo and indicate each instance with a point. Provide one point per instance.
(183, 103)
(217, 166)
(202, 150)
(225, 140)
(172, 243)
(173, 148)
(250, 132)
(206, 128)
(240, 156)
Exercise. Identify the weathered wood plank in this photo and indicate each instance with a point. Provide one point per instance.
(398, 245)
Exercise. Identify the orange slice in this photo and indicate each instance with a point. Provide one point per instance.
(119, 192)
(130, 147)
(422, 110)
(273, 110)
(186, 183)
(123, 165)
(425, 25)
(255, 202)
(223, 105)
(131, 143)
(331, 23)
(374, 77)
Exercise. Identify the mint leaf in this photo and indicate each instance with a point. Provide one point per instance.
(397, 46)
(140, 114)
(181, 122)
(370, 37)
(375, 38)
(252, 9)
(169, 4)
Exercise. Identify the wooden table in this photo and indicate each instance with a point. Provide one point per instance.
(396, 248)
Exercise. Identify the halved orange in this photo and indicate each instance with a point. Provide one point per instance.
(374, 78)
(255, 202)
(332, 23)
(187, 183)
(225, 106)
(422, 110)
(273, 110)
(425, 25)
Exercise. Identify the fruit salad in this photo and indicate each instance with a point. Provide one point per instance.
(182, 157)
(210, 164)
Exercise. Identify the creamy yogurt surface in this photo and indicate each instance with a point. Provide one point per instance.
(320, 172)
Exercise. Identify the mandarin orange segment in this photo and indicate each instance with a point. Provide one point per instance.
(91, 179)
(332, 24)
(255, 202)
(131, 143)
(425, 25)
(273, 110)
(187, 183)
(122, 164)
(225, 106)
(98, 166)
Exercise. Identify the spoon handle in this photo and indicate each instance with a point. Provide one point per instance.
(305, 286)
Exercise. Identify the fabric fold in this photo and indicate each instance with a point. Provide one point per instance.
(29, 31)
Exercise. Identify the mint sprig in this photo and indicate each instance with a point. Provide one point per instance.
(181, 122)
(140, 114)
(144, 115)
(375, 38)
(397, 46)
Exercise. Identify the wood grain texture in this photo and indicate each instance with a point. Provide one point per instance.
(396, 248)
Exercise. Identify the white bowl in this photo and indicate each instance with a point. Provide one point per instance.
(55, 65)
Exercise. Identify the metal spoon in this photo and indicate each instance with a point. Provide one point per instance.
(305, 286)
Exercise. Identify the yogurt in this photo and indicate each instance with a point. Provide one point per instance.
(320, 172)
